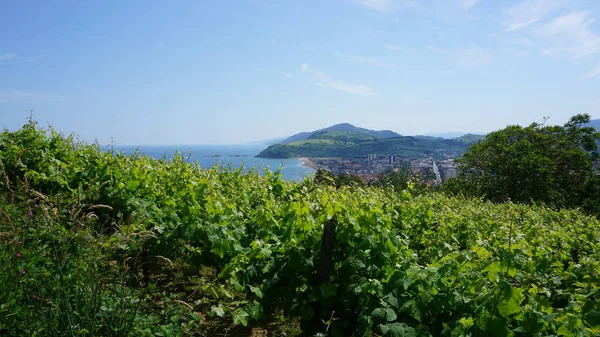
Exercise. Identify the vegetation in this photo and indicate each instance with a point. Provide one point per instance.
(553, 165)
(348, 144)
(343, 127)
(470, 138)
(96, 243)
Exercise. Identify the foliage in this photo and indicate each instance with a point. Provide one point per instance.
(324, 177)
(343, 128)
(187, 251)
(399, 179)
(548, 164)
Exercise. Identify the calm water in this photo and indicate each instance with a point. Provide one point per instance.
(234, 155)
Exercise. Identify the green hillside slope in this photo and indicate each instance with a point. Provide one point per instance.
(342, 127)
(101, 244)
(349, 144)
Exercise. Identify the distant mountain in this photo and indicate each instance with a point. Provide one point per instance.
(470, 138)
(327, 143)
(447, 135)
(595, 123)
(343, 127)
(266, 142)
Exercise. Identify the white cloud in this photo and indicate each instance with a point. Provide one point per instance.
(472, 56)
(529, 12)
(365, 60)
(592, 73)
(288, 75)
(324, 80)
(467, 3)
(573, 34)
(393, 47)
(7, 56)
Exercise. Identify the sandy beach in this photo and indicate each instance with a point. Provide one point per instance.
(308, 163)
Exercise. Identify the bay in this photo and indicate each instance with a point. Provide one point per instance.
(235, 156)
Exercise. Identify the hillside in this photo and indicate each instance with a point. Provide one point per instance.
(351, 144)
(111, 245)
(343, 127)
(470, 138)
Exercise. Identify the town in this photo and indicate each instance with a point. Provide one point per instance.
(367, 168)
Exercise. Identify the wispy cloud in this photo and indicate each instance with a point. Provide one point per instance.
(592, 73)
(514, 41)
(529, 12)
(24, 96)
(324, 80)
(519, 52)
(289, 75)
(573, 34)
(386, 6)
(472, 56)
(523, 41)
(361, 59)
(393, 47)
(7, 56)
(435, 49)
(467, 3)
(11, 58)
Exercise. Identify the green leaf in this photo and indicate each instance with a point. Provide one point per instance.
(392, 300)
(510, 303)
(384, 314)
(240, 316)
(496, 327)
(353, 265)
(218, 310)
(397, 330)
(328, 290)
(255, 311)
(412, 308)
(564, 331)
(256, 291)
(365, 323)
(467, 322)
(591, 314)
(307, 312)
(493, 270)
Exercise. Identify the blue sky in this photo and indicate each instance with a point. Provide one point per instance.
(214, 72)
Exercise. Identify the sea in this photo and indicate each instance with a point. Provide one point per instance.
(235, 156)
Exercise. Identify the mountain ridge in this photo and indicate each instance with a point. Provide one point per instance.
(345, 127)
(347, 140)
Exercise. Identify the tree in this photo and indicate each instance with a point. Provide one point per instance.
(324, 177)
(399, 179)
(538, 163)
(346, 179)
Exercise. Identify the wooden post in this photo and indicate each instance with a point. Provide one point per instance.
(315, 325)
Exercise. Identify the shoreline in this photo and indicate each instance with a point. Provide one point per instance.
(308, 163)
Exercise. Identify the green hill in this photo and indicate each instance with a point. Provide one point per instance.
(470, 138)
(351, 144)
(103, 244)
(342, 127)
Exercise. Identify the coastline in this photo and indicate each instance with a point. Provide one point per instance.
(308, 163)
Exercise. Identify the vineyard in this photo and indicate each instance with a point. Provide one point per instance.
(95, 243)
